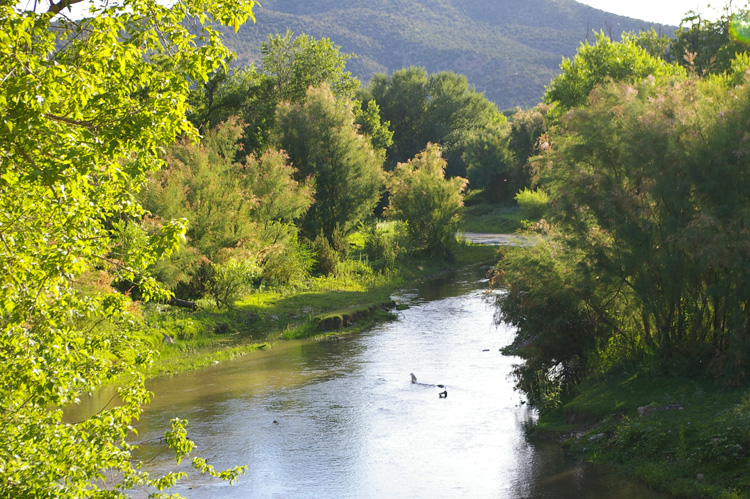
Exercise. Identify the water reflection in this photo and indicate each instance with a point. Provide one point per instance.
(343, 420)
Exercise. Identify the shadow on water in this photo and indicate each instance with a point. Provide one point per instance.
(342, 419)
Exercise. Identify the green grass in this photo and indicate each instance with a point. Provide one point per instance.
(691, 439)
(490, 218)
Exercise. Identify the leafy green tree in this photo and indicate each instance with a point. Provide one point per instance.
(245, 94)
(324, 145)
(203, 185)
(556, 327)
(290, 66)
(655, 44)
(85, 106)
(427, 201)
(402, 98)
(297, 63)
(439, 108)
(593, 65)
(367, 117)
(527, 129)
(491, 163)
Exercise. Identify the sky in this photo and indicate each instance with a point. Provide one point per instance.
(668, 12)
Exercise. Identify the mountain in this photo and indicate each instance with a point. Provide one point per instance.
(509, 49)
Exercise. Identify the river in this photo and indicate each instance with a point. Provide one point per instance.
(342, 419)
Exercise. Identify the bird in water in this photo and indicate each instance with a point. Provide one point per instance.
(444, 394)
(413, 378)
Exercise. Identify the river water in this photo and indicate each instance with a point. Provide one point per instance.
(342, 419)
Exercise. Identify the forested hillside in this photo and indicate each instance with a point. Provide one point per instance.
(508, 49)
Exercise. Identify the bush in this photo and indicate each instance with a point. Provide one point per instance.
(428, 202)
(288, 261)
(231, 280)
(533, 204)
(385, 244)
(326, 257)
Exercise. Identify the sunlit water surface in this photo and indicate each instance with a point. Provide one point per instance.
(341, 419)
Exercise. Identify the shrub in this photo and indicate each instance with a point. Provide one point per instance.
(231, 280)
(287, 261)
(533, 204)
(326, 257)
(385, 244)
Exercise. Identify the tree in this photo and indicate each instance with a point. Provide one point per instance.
(440, 108)
(490, 163)
(367, 117)
(245, 94)
(231, 205)
(527, 128)
(290, 66)
(708, 47)
(596, 64)
(324, 145)
(428, 202)
(655, 44)
(649, 189)
(85, 107)
(402, 98)
(295, 64)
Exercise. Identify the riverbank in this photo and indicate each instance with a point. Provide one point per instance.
(687, 437)
(186, 339)
(342, 419)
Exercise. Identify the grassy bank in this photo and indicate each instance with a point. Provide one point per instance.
(187, 340)
(492, 218)
(687, 437)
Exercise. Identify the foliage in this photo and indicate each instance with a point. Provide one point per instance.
(490, 162)
(230, 205)
(386, 244)
(428, 202)
(296, 64)
(596, 64)
(440, 108)
(280, 198)
(323, 144)
(203, 184)
(286, 260)
(326, 257)
(649, 224)
(243, 94)
(290, 66)
(708, 47)
(556, 326)
(533, 204)
(527, 130)
(232, 280)
(370, 124)
(655, 44)
(84, 108)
